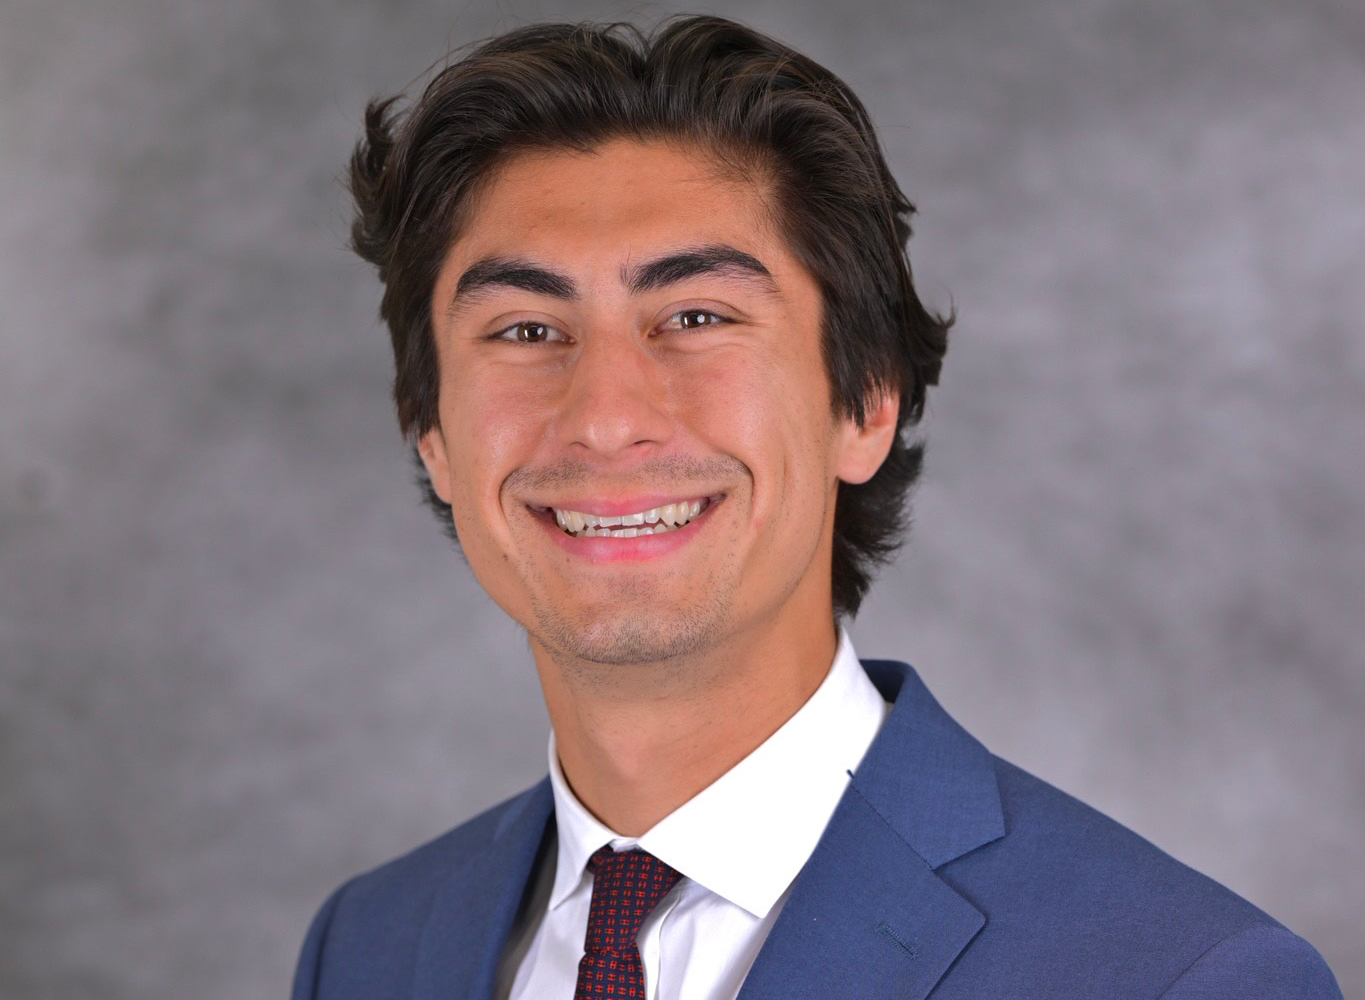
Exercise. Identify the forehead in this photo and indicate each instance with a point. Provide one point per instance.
(620, 200)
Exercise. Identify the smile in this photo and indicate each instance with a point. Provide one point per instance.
(655, 521)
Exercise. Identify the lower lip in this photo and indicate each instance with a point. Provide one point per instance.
(602, 549)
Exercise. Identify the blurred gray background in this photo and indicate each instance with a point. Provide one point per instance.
(240, 662)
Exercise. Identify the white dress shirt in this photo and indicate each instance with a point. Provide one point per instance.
(739, 844)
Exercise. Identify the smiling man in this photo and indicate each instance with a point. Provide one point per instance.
(658, 348)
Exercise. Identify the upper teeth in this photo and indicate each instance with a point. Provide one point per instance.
(665, 518)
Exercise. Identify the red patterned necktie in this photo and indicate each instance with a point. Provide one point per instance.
(625, 889)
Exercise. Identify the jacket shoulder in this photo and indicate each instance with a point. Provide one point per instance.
(1067, 842)
(367, 931)
(1260, 963)
(1078, 901)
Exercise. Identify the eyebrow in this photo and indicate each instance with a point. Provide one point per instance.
(528, 276)
(507, 272)
(714, 258)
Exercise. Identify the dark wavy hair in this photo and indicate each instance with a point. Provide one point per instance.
(762, 109)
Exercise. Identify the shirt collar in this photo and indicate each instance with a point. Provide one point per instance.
(746, 835)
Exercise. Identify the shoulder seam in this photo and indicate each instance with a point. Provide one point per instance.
(1269, 925)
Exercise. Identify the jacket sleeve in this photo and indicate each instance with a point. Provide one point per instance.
(308, 973)
(1261, 963)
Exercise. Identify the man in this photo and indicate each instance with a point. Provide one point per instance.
(657, 344)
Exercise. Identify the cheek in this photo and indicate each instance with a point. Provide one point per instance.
(727, 398)
(768, 412)
(491, 424)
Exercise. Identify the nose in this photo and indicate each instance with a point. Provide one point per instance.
(615, 400)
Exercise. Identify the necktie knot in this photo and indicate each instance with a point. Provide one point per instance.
(626, 887)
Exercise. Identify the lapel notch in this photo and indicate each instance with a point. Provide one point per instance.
(930, 779)
(868, 917)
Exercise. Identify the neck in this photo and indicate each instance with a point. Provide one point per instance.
(634, 754)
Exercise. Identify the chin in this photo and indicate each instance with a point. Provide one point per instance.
(646, 630)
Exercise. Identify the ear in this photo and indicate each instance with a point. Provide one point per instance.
(863, 448)
(431, 446)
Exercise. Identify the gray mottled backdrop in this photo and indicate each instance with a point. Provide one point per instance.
(239, 662)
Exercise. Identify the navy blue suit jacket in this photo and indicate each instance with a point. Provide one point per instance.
(944, 871)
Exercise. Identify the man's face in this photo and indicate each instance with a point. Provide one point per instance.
(635, 427)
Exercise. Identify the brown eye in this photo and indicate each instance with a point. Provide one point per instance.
(694, 319)
(529, 332)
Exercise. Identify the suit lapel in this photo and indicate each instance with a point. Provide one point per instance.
(472, 914)
(868, 917)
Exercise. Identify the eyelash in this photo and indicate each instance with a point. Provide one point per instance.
(516, 327)
(713, 319)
